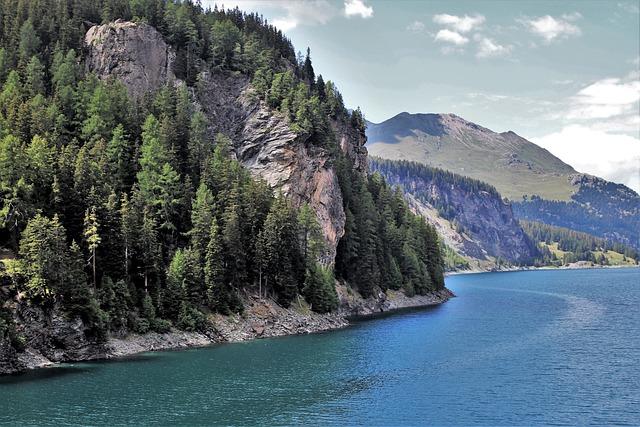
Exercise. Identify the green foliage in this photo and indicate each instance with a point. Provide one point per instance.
(44, 250)
(224, 37)
(577, 246)
(385, 246)
(319, 289)
(171, 226)
(279, 253)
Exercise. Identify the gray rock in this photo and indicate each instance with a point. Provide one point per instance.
(134, 53)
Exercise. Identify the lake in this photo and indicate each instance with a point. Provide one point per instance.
(522, 348)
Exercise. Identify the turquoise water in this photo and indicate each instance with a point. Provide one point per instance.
(525, 348)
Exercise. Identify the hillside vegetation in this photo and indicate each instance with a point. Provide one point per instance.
(561, 246)
(471, 215)
(126, 213)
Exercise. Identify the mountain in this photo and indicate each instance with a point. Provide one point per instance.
(181, 178)
(515, 166)
(540, 186)
(470, 215)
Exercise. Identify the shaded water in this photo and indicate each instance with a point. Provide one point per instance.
(542, 347)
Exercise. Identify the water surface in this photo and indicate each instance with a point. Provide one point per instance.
(525, 348)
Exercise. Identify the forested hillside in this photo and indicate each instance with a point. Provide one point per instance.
(471, 215)
(561, 246)
(599, 208)
(124, 208)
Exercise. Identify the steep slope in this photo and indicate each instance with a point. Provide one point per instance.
(263, 142)
(471, 216)
(541, 186)
(601, 208)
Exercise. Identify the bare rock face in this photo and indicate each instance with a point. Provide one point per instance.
(485, 222)
(134, 53)
(265, 144)
(352, 144)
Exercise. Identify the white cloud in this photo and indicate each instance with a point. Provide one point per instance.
(295, 13)
(605, 98)
(449, 36)
(357, 8)
(629, 7)
(590, 150)
(562, 82)
(460, 24)
(416, 27)
(550, 28)
(488, 48)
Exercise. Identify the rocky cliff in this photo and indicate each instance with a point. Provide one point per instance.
(471, 216)
(134, 53)
(263, 140)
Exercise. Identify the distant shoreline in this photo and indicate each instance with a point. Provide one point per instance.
(514, 269)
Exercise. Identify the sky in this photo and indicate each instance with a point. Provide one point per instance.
(565, 75)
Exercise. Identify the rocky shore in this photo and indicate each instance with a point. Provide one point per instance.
(55, 340)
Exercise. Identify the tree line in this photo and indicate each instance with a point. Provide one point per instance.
(578, 245)
(408, 174)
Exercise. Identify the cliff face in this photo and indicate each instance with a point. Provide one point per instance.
(477, 223)
(135, 54)
(263, 142)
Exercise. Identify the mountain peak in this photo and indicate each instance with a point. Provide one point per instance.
(506, 160)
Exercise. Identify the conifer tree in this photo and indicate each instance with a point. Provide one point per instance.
(214, 271)
(92, 237)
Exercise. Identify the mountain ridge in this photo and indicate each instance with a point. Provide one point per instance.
(541, 186)
(514, 165)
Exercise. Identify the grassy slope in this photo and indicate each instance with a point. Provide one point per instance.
(511, 180)
(513, 165)
(613, 258)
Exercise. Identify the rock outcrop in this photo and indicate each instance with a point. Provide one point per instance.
(477, 223)
(134, 53)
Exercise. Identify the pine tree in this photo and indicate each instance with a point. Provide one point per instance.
(214, 271)
(198, 149)
(92, 237)
(307, 69)
(149, 248)
(201, 219)
(311, 238)
(35, 77)
(29, 42)
(319, 289)
(279, 252)
(235, 253)
(120, 161)
(44, 250)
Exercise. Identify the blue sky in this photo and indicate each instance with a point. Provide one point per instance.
(562, 74)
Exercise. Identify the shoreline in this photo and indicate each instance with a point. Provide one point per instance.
(573, 266)
(262, 319)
